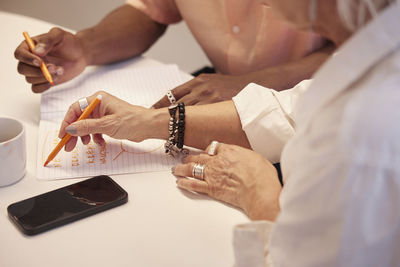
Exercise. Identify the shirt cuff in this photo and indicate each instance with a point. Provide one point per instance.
(265, 122)
(250, 244)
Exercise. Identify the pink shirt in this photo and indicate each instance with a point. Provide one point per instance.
(238, 36)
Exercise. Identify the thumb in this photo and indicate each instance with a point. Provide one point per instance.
(46, 42)
(86, 127)
(163, 102)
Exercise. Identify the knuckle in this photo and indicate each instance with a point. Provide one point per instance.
(17, 53)
(55, 30)
(85, 127)
(20, 68)
(203, 77)
(207, 91)
(111, 125)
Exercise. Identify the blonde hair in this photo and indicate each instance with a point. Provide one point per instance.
(354, 13)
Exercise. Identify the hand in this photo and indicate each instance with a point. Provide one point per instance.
(206, 89)
(238, 176)
(62, 52)
(113, 117)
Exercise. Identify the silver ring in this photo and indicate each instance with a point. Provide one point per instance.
(213, 148)
(171, 97)
(198, 171)
(83, 104)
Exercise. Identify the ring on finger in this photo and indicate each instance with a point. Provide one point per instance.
(171, 97)
(213, 148)
(198, 171)
(83, 103)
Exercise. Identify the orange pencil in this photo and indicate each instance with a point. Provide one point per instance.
(43, 67)
(66, 138)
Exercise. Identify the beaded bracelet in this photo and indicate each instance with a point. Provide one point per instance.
(181, 125)
(174, 145)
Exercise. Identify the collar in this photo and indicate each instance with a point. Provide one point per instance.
(359, 54)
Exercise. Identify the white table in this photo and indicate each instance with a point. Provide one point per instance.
(159, 226)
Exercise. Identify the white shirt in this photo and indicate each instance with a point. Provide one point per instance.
(340, 205)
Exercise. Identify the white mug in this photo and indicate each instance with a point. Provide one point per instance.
(12, 151)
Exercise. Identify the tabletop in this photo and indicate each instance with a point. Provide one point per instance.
(160, 225)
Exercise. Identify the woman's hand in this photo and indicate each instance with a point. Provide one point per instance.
(238, 176)
(113, 117)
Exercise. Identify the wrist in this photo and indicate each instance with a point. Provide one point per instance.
(84, 39)
(157, 121)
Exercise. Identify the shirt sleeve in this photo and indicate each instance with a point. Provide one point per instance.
(267, 117)
(250, 244)
(162, 11)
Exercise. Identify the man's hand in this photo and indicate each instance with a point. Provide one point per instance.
(206, 89)
(62, 52)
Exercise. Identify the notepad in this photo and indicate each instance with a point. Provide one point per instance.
(139, 86)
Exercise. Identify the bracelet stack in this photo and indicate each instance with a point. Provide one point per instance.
(176, 128)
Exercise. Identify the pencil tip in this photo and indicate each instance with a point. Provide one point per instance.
(45, 164)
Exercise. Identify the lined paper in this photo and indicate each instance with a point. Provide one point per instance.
(141, 86)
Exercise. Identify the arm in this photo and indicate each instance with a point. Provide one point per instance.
(210, 88)
(287, 75)
(124, 33)
(121, 120)
(203, 124)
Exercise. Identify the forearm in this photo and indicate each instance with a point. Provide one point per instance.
(287, 75)
(203, 124)
(124, 33)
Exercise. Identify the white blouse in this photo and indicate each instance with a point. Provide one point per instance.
(340, 205)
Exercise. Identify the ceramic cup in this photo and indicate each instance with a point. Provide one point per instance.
(12, 151)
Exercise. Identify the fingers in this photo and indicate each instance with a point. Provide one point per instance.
(73, 114)
(193, 185)
(212, 148)
(178, 93)
(24, 55)
(85, 139)
(186, 169)
(90, 126)
(202, 158)
(70, 145)
(29, 70)
(46, 42)
(40, 88)
(98, 139)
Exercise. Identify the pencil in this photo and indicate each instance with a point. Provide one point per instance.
(66, 138)
(43, 67)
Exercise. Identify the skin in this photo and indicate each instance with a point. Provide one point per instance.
(126, 32)
(236, 175)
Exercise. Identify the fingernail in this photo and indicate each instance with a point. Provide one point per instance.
(36, 62)
(51, 68)
(173, 170)
(39, 49)
(60, 71)
(71, 129)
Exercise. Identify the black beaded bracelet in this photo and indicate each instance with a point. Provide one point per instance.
(181, 125)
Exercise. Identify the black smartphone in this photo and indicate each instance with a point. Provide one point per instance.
(67, 204)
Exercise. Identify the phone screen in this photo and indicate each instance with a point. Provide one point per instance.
(67, 204)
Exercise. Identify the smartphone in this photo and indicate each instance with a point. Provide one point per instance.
(67, 204)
